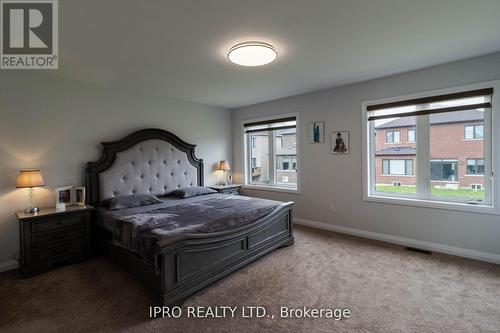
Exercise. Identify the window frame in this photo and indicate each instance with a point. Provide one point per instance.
(246, 157)
(475, 167)
(414, 130)
(406, 174)
(423, 197)
(473, 132)
(394, 142)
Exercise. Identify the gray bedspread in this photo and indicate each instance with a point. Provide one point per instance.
(144, 230)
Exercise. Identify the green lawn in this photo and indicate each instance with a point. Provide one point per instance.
(440, 192)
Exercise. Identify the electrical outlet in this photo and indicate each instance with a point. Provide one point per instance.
(331, 207)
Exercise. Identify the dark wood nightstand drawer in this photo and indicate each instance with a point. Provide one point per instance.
(59, 235)
(66, 249)
(57, 223)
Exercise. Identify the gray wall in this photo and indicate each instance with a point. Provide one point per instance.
(56, 125)
(326, 178)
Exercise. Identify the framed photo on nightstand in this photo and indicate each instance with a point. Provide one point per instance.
(69, 196)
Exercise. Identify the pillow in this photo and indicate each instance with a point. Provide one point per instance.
(129, 201)
(192, 191)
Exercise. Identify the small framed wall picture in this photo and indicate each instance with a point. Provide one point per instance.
(317, 132)
(79, 195)
(341, 144)
(64, 196)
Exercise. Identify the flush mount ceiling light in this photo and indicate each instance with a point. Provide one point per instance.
(252, 54)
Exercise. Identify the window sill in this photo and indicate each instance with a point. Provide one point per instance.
(391, 175)
(457, 206)
(272, 188)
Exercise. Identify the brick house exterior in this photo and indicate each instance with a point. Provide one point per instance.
(452, 149)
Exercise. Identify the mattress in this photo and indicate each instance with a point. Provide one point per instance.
(145, 230)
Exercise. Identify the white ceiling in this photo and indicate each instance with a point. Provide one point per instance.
(178, 48)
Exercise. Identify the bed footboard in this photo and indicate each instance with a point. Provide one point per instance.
(198, 260)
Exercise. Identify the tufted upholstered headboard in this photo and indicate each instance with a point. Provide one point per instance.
(150, 161)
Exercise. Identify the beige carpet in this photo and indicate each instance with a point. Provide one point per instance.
(386, 288)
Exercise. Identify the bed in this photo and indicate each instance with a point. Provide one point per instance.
(204, 238)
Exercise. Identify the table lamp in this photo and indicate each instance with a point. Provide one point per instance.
(224, 166)
(30, 179)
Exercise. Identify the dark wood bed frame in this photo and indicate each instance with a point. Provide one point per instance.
(196, 260)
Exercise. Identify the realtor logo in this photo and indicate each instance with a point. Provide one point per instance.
(29, 35)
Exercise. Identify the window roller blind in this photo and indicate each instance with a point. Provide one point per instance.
(270, 125)
(462, 101)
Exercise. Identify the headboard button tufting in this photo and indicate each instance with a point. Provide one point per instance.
(139, 170)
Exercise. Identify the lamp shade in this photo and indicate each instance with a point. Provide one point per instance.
(29, 178)
(224, 165)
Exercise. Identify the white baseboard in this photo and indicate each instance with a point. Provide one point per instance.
(430, 246)
(8, 265)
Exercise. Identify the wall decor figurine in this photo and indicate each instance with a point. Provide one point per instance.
(317, 132)
(340, 143)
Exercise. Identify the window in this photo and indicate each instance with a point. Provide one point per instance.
(273, 143)
(397, 167)
(444, 170)
(433, 164)
(254, 142)
(392, 137)
(411, 135)
(475, 166)
(474, 132)
(286, 162)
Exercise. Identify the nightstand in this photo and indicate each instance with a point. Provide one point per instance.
(227, 189)
(51, 238)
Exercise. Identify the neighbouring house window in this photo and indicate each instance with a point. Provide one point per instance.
(393, 137)
(274, 144)
(411, 135)
(254, 142)
(474, 132)
(475, 166)
(286, 162)
(436, 128)
(397, 167)
(444, 170)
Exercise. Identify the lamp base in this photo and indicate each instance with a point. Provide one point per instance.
(32, 210)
